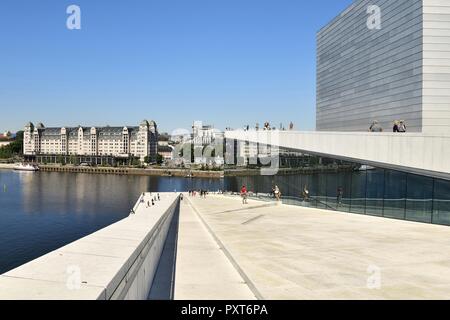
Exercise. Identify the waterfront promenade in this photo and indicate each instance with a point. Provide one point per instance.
(288, 252)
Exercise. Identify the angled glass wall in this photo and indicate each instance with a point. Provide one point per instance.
(350, 187)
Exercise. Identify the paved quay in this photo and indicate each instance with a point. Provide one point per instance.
(288, 252)
(8, 166)
(203, 272)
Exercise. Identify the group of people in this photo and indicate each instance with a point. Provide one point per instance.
(399, 126)
(275, 192)
(267, 127)
(339, 195)
(203, 193)
(150, 203)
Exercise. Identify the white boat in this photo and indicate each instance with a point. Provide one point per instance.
(366, 168)
(26, 167)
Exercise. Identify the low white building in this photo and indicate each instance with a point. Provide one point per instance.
(120, 142)
(205, 134)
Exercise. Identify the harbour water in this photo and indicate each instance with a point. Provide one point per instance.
(43, 211)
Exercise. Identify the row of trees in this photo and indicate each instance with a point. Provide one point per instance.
(14, 149)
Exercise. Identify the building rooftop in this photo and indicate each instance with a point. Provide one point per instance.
(290, 252)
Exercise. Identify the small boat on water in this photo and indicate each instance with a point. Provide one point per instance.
(366, 168)
(26, 167)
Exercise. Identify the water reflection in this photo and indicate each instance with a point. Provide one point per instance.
(40, 212)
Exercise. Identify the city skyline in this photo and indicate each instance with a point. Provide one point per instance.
(227, 64)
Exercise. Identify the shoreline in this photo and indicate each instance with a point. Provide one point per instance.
(181, 173)
(7, 166)
(157, 172)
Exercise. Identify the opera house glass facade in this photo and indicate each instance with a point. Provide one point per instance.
(354, 188)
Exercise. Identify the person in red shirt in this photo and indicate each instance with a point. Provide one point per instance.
(244, 195)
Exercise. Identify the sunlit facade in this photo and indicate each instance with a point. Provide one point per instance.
(120, 142)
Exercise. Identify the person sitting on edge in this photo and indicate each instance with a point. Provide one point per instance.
(396, 126)
(402, 126)
(375, 127)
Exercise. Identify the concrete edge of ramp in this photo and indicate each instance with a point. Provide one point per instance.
(229, 256)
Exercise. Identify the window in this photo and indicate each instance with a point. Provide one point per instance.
(419, 198)
(441, 202)
(375, 192)
(395, 194)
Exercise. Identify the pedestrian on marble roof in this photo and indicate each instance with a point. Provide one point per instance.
(375, 127)
(153, 202)
(396, 126)
(159, 198)
(244, 194)
(402, 126)
(291, 126)
(277, 193)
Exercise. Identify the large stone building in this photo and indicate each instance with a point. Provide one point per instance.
(385, 60)
(118, 142)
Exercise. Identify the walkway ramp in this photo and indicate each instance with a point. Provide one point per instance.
(203, 271)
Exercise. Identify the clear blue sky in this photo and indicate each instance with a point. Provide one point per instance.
(226, 62)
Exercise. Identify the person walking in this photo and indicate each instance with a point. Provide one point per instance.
(277, 193)
(244, 194)
(340, 194)
(305, 194)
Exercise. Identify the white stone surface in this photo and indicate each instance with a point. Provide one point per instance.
(104, 260)
(300, 253)
(203, 272)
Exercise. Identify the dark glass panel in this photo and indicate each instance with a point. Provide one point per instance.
(395, 194)
(358, 192)
(419, 198)
(441, 205)
(375, 192)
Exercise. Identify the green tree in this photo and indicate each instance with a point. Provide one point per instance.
(15, 148)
